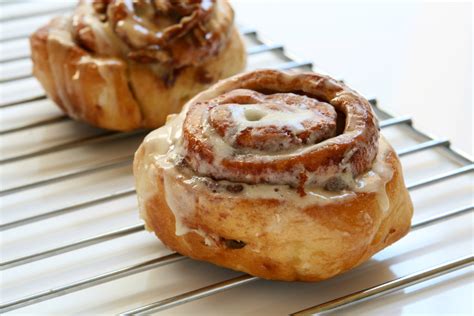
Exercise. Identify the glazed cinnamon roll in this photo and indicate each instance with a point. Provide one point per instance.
(123, 64)
(283, 176)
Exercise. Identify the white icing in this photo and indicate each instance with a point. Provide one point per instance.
(156, 145)
(180, 202)
(221, 149)
(105, 40)
(146, 175)
(160, 140)
(165, 143)
(376, 179)
(254, 115)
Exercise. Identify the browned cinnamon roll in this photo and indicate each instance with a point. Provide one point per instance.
(283, 176)
(123, 64)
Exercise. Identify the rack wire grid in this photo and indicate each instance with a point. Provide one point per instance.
(72, 240)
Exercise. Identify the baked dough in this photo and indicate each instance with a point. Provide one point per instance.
(283, 176)
(125, 65)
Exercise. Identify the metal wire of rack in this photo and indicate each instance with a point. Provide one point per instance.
(21, 78)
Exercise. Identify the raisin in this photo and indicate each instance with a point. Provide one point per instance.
(235, 188)
(335, 184)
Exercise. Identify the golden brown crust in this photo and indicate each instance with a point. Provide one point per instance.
(42, 70)
(88, 71)
(88, 89)
(314, 243)
(273, 229)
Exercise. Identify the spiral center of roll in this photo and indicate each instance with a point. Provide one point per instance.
(254, 114)
(250, 120)
(168, 32)
(272, 127)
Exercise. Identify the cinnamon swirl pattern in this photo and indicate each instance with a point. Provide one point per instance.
(283, 176)
(123, 64)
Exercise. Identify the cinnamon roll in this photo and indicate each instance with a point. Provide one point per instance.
(123, 64)
(283, 176)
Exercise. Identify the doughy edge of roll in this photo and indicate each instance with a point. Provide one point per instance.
(71, 99)
(378, 225)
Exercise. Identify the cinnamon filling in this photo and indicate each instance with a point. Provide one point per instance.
(247, 119)
(171, 32)
(260, 131)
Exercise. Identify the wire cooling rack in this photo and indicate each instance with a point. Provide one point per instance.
(72, 240)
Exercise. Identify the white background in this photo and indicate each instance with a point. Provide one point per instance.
(382, 50)
(415, 57)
